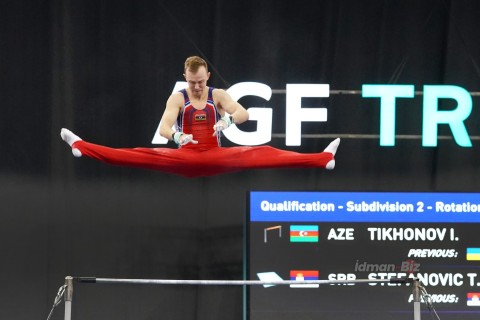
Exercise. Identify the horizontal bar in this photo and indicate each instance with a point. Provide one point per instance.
(233, 282)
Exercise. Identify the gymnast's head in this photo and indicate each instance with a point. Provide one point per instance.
(196, 73)
(194, 63)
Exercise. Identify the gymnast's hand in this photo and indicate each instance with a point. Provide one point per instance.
(222, 124)
(182, 139)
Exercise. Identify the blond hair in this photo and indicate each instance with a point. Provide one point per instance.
(193, 63)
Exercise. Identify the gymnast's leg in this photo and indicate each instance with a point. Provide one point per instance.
(223, 160)
(194, 163)
(177, 161)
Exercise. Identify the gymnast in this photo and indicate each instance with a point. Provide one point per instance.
(200, 113)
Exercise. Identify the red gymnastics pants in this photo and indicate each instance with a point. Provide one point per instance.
(190, 162)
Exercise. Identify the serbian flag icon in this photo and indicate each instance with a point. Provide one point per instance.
(473, 299)
(302, 275)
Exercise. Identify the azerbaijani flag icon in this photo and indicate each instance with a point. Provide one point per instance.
(473, 254)
(302, 275)
(473, 299)
(303, 233)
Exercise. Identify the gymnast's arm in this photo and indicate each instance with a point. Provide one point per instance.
(170, 115)
(225, 103)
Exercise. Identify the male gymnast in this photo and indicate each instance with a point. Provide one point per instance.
(200, 113)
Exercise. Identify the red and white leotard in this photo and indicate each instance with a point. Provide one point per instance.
(199, 122)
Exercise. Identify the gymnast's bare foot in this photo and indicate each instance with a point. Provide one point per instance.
(332, 148)
(70, 138)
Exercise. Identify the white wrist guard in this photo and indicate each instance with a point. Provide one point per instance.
(177, 136)
(228, 120)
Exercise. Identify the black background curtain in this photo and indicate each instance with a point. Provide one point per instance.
(105, 69)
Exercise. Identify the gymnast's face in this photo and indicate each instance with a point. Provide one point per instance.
(197, 81)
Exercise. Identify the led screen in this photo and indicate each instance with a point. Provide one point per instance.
(433, 237)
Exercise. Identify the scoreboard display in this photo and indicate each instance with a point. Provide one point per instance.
(432, 237)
